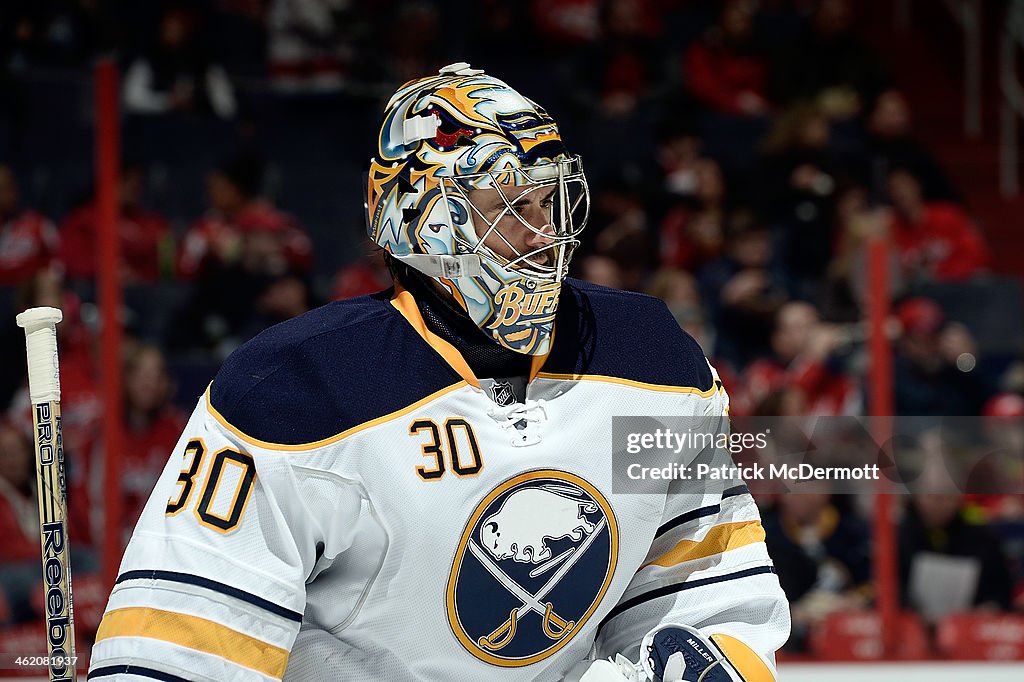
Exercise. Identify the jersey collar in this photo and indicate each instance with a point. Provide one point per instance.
(405, 303)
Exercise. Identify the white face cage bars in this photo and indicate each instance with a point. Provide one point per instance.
(568, 210)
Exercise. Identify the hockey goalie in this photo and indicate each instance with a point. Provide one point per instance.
(417, 485)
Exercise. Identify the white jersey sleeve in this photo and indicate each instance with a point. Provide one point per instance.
(213, 583)
(708, 567)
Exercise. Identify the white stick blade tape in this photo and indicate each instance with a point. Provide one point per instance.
(41, 347)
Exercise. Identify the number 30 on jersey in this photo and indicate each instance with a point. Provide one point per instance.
(225, 492)
(463, 462)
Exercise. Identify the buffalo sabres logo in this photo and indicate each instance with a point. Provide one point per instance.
(534, 562)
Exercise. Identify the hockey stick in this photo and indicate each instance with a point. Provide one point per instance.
(44, 390)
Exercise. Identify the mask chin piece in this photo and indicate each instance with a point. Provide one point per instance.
(446, 266)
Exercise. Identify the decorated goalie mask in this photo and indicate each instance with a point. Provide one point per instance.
(472, 186)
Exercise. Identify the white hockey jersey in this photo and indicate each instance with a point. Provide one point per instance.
(348, 502)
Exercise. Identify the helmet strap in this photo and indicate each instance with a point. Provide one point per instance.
(446, 266)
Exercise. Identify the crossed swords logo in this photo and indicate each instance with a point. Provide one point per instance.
(553, 625)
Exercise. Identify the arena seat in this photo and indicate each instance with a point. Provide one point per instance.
(986, 636)
(857, 636)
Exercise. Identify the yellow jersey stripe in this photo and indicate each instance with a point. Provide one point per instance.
(629, 382)
(719, 539)
(299, 447)
(195, 633)
(748, 664)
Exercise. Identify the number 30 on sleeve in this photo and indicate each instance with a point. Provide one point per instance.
(223, 461)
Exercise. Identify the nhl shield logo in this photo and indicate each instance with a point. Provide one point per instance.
(503, 393)
(533, 564)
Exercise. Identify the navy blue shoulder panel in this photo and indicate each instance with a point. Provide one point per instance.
(625, 335)
(326, 371)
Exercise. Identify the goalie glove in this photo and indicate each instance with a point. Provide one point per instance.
(679, 653)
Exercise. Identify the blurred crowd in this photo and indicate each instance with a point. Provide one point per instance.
(742, 155)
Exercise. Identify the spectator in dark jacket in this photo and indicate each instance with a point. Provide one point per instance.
(741, 290)
(935, 523)
(891, 144)
(799, 177)
(822, 557)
